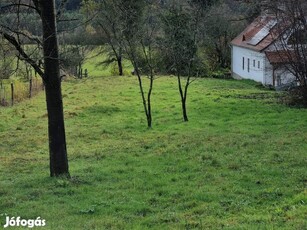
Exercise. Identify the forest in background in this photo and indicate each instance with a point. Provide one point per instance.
(79, 29)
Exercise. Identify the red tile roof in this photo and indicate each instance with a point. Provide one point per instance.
(261, 33)
(281, 56)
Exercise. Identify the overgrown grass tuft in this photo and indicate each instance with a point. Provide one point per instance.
(239, 163)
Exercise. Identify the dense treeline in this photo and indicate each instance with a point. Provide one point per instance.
(97, 22)
(69, 4)
(217, 23)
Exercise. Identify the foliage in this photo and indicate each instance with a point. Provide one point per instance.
(113, 19)
(179, 46)
(291, 46)
(139, 42)
(73, 57)
(219, 27)
(21, 90)
(96, 68)
(6, 60)
(70, 5)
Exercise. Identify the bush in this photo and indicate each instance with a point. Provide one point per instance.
(296, 96)
(221, 74)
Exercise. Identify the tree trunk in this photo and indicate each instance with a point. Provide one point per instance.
(149, 117)
(120, 65)
(56, 131)
(79, 70)
(56, 128)
(183, 97)
(304, 95)
(146, 104)
(120, 62)
(184, 109)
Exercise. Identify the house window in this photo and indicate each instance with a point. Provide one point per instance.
(243, 62)
(278, 79)
(258, 64)
(248, 63)
(254, 63)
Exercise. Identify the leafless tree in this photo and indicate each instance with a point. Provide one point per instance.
(139, 42)
(291, 38)
(6, 57)
(181, 27)
(109, 21)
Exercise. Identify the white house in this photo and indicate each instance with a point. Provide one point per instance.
(256, 54)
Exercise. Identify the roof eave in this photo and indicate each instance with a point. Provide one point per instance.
(251, 48)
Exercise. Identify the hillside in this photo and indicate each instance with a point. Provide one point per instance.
(239, 163)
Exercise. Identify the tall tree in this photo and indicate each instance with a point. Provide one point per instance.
(110, 21)
(221, 24)
(139, 42)
(56, 127)
(291, 44)
(50, 75)
(181, 27)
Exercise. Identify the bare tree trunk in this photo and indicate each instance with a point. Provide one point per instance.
(12, 94)
(184, 109)
(147, 105)
(149, 117)
(120, 62)
(56, 128)
(183, 98)
(184, 104)
(30, 87)
(120, 65)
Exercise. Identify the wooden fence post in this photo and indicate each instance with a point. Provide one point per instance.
(1, 93)
(30, 88)
(12, 93)
(85, 73)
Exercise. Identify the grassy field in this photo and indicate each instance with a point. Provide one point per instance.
(239, 163)
(95, 68)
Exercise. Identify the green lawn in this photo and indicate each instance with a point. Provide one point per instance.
(239, 163)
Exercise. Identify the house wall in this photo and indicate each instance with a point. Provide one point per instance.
(280, 72)
(283, 76)
(268, 72)
(252, 69)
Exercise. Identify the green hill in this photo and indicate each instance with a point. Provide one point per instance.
(239, 163)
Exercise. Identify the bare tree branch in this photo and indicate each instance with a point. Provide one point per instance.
(11, 39)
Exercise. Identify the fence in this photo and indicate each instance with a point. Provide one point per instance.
(80, 74)
(14, 92)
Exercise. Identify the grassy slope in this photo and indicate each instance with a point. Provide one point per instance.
(95, 68)
(239, 163)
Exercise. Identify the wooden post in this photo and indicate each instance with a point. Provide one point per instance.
(85, 73)
(81, 73)
(12, 93)
(2, 94)
(30, 88)
(274, 75)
